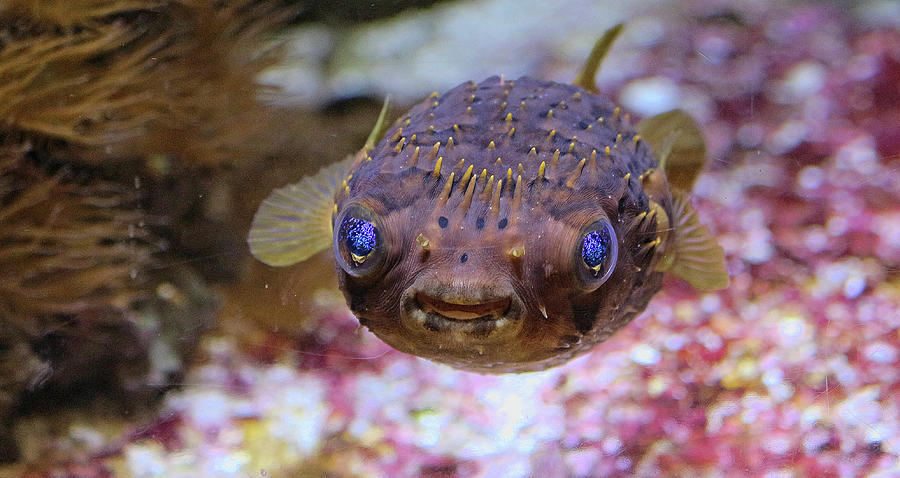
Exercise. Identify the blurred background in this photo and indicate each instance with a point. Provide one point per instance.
(138, 338)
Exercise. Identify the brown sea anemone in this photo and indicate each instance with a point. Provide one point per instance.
(66, 247)
(115, 80)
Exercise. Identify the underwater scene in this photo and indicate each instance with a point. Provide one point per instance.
(449, 238)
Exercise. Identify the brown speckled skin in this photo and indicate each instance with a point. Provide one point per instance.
(547, 221)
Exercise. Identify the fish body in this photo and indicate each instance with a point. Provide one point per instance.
(504, 226)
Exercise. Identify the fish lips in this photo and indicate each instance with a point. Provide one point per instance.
(468, 314)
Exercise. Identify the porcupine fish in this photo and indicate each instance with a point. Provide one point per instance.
(504, 226)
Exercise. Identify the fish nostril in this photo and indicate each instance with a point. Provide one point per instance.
(464, 258)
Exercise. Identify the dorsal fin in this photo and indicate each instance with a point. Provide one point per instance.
(698, 258)
(585, 77)
(294, 222)
(380, 127)
(678, 143)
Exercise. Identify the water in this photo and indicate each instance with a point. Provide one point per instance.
(140, 339)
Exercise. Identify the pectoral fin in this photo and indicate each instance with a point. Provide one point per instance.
(698, 258)
(662, 233)
(294, 222)
(678, 143)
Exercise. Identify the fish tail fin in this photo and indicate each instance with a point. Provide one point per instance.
(698, 258)
(294, 222)
(678, 143)
(585, 77)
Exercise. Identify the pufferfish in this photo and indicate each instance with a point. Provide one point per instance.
(504, 226)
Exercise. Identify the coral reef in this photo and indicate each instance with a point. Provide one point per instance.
(67, 247)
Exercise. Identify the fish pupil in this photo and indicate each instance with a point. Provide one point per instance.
(594, 248)
(359, 236)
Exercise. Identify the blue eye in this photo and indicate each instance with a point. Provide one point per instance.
(595, 254)
(360, 237)
(595, 249)
(361, 242)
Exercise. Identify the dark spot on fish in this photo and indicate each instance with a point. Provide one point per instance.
(544, 113)
(477, 99)
(583, 124)
(502, 223)
(464, 258)
(621, 205)
(479, 223)
(442, 221)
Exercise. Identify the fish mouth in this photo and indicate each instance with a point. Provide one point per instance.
(461, 316)
(464, 309)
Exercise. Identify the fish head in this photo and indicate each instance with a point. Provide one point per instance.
(491, 286)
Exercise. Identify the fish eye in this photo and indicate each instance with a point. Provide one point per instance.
(358, 241)
(359, 237)
(596, 254)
